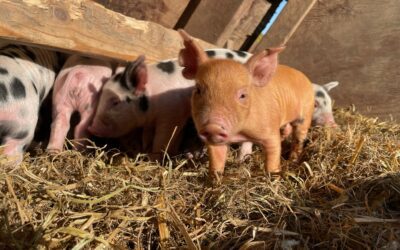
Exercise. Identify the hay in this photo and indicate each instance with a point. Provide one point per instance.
(346, 194)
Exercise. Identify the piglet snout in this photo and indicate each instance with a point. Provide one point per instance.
(326, 119)
(99, 128)
(214, 133)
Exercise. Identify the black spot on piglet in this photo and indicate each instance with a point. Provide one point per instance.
(320, 94)
(3, 71)
(5, 130)
(229, 55)
(17, 88)
(3, 92)
(167, 67)
(211, 53)
(241, 53)
(21, 135)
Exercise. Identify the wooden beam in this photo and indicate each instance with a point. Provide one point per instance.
(248, 23)
(284, 26)
(215, 21)
(86, 27)
(164, 12)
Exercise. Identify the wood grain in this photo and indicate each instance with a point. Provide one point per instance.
(164, 12)
(248, 22)
(86, 27)
(283, 25)
(356, 43)
(215, 21)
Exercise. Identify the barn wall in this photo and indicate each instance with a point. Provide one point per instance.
(355, 42)
(164, 12)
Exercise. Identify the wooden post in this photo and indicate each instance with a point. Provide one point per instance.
(216, 21)
(296, 25)
(285, 25)
(86, 27)
(248, 23)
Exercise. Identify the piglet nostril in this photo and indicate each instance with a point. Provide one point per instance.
(205, 134)
(223, 135)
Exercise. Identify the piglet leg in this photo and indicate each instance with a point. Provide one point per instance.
(59, 130)
(245, 149)
(217, 156)
(81, 130)
(14, 151)
(272, 150)
(300, 130)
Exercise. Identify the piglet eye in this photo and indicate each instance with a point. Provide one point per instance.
(114, 102)
(242, 96)
(197, 90)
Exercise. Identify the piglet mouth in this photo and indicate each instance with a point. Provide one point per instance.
(100, 129)
(213, 134)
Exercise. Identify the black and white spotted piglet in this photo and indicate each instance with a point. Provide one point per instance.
(26, 77)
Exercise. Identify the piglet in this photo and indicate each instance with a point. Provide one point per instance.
(233, 103)
(322, 116)
(140, 96)
(26, 77)
(76, 88)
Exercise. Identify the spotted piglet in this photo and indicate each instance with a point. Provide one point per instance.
(323, 115)
(26, 77)
(233, 103)
(141, 97)
(76, 88)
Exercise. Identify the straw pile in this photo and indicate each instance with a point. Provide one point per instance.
(346, 194)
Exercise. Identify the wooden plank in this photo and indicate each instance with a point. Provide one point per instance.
(164, 12)
(356, 43)
(288, 18)
(214, 21)
(87, 27)
(248, 23)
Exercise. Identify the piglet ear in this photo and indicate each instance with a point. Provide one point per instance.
(135, 75)
(330, 85)
(262, 66)
(191, 56)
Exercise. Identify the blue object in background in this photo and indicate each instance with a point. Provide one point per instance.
(273, 18)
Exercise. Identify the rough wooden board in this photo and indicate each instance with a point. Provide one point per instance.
(282, 26)
(214, 21)
(164, 12)
(248, 23)
(357, 43)
(87, 27)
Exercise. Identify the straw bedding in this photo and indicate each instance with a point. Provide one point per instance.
(345, 194)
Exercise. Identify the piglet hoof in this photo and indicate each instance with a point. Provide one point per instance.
(295, 157)
(275, 176)
(216, 178)
(243, 158)
(53, 151)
